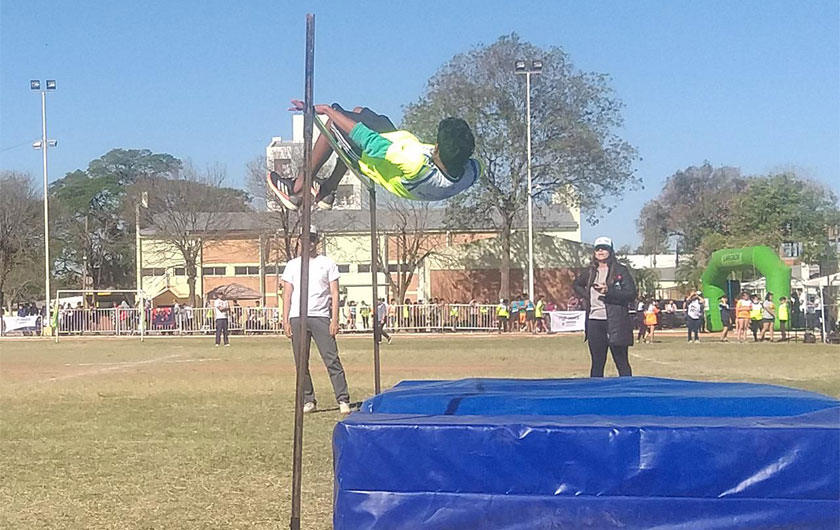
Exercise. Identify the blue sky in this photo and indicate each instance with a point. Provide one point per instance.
(754, 84)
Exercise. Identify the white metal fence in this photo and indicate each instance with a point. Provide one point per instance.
(268, 320)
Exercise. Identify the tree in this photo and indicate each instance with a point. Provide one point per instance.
(780, 208)
(282, 225)
(577, 157)
(647, 281)
(693, 203)
(95, 216)
(21, 229)
(127, 166)
(714, 208)
(191, 211)
(407, 235)
(689, 272)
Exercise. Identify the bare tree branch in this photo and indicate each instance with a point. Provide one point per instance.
(20, 230)
(191, 212)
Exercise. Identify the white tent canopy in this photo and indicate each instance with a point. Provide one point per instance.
(821, 283)
(824, 281)
(761, 284)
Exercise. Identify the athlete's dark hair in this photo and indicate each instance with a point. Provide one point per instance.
(455, 145)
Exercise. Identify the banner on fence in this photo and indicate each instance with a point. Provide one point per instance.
(29, 323)
(567, 321)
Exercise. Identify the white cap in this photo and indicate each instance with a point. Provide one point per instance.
(603, 241)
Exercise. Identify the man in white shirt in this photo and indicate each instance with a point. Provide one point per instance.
(220, 311)
(322, 321)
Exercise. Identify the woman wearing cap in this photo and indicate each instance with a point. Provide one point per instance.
(607, 288)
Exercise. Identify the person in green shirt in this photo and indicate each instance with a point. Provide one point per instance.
(502, 315)
(755, 316)
(395, 160)
(364, 312)
(539, 325)
(484, 313)
(784, 316)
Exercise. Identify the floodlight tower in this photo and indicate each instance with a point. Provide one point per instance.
(528, 68)
(44, 144)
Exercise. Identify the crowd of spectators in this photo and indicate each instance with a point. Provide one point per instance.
(520, 314)
(749, 315)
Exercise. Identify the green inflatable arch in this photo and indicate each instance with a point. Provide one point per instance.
(722, 262)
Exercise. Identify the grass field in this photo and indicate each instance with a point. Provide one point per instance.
(173, 433)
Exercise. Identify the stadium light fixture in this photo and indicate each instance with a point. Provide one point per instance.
(526, 69)
(44, 144)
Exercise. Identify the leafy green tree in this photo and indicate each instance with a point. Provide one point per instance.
(126, 166)
(689, 271)
(714, 208)
(577, 156)
(93, 220)
(785, 208)
(647, 281)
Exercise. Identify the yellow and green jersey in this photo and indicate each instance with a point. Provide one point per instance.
(403, 165)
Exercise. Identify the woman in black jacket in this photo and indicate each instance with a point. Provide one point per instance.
(607, 288)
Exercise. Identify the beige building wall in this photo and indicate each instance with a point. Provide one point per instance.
(162, 264)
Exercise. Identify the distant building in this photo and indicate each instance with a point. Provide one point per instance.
(285, 157)
(665, 268)
(458, 265)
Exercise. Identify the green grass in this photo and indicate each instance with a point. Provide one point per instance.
(173, 433)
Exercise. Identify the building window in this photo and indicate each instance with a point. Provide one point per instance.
(791, 249)
(180, 271)
(283, 166)
(364, 267)
(271, 269)
(343, 268)
(214, 271)
(396, 267)
(157, 271)
(345, 196)
(249, 270)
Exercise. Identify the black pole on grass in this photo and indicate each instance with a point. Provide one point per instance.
(374, 274)
(302, 351)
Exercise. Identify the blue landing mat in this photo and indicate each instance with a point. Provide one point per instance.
(587, 453)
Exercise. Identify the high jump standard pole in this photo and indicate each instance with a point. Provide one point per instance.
(374, 248)
(302, 353)
(374, 274)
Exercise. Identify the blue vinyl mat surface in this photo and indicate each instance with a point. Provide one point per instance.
(588, 453)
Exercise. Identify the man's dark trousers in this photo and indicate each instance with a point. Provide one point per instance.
(221, 330)
(319, 329)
